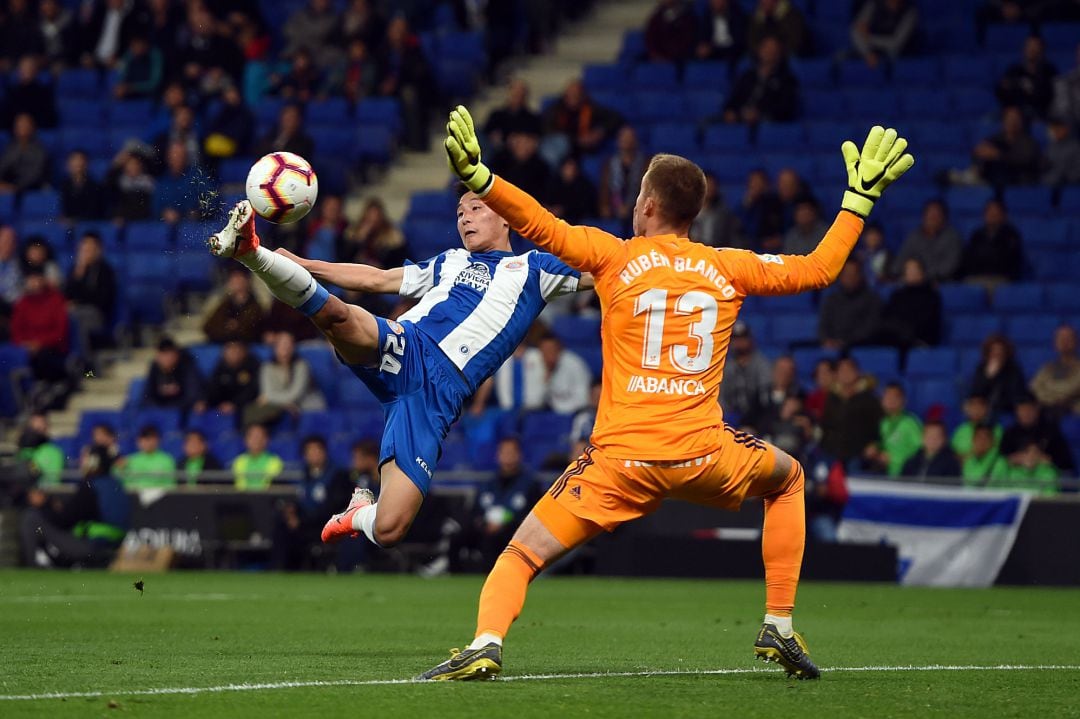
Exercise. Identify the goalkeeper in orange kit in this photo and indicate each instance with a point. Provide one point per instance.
(668, 307)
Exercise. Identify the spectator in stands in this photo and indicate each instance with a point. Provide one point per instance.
(976, 410)
(791, 429)
(993, 255)
(206, 57)
(1062, 159)
(91, 291)
(514, 116)
(374, 240)
(43, 457)
(1057, 383)
(1066, 103)
(666, 32)
(238, 316)
(998, 376)
(256, 467)
(149, 467)
(234, 383)
(285, 385)
(1029, 84)
(81, 196)
(850, 314)
(11, 280)
(55, 24)
(826, 494)
(1035, 426)
(30, 96)
(884, 29)
(567, 377)
(131, 187)
(288, 135)
(101, 32)
(363, 470)
(580, 125)
(766, 92)
(982, 461)
(501, 503)
(181, 130)
(791, 190)
(935, 458)
(901, 434)
(326, 232)
(84, 530)
(722, 31)
(38, 255)
(873, 254)
(912, 316)
(716, 225)
(808, 230)
(760, 213)
(520, 163)
(140, 70)
(766, 407)
(747, 375)
(404, 73)
(303, 82)
(19, 34)
(173, 380)
(582, 425)
(1009, 157)
(1028, 468)
(322, 487)
(534, 378)
(231, 129)
(935, 243)
(357, 77)
(851, 418)
(569, 193)
(39, 324)
(283, 318)
(176, 194)
(779, 19)
(620, 177)
(24, 164)
(103, 436)
(197, 458)
(824, 379)
(315, 27)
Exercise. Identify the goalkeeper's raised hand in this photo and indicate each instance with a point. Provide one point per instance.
(463, 152)
(880, 163)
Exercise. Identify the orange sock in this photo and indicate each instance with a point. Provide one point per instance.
(782, 542)
(503, 594)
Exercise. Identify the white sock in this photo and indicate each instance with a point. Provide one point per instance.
(364, 521)
(484, 639)
(782, 624)
(287, 280)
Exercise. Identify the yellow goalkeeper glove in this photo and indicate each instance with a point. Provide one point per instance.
(880, 163)
(463, 152)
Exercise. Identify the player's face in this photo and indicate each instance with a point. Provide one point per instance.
(480, 229)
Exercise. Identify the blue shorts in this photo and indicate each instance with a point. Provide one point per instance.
(422, 394)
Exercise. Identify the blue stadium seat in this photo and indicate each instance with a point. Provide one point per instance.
(606, 77)
(129, 112)
(593, 358)
(794, 328)
(677, 138)
(577, 331)
(972, 101)
(375, 144)
(924, 103)
(925, 393)
(801, 302)
(970, 357)
(327, 111)
(882, 362)
(1006, 39)
(787, 136)
(1033, 199)
(56, 235)
(633, 47)
(917, 71)
(706, 76)
(82, 112)
(324, 367)
(206, 357)
(1047, 232)
(732, 167)
(213, 424)
(111, 417)
(703, 104)
(157, 267)
(971, 329)
(39, 205)
(969, 199)
(654, 75)
(1070, 427)
(655, 106)
(1069, 203)
(366, 422)
(856, 73)
(78, 83)
(7, 207)
(966, 69)
(165, 420)
(385, 111)
(1033, 357)
(938, 135)
(866, 104)
(1063, 298)
(195, 270)
(552, 426)
(333, 139)
(107, 231)
(829, 133)
(931, 362)
(957, 297)
(226, 447)
(433, 205)
(149, 235)
(353, 395)
(1061, 36)
(321, 422)
(726, 137)
(1018, 298)
(760, 325)
(234, 170)
(1032, 329)
(814, 72)
(134, 396)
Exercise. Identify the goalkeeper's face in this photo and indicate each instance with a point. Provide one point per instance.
(480, 229)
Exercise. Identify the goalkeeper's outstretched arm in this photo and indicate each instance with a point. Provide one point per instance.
(350, 276)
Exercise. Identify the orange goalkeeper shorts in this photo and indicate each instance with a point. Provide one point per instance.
(609, 491)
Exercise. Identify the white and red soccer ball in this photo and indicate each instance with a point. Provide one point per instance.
(282, 187)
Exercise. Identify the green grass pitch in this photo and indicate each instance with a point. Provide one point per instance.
(93, 633)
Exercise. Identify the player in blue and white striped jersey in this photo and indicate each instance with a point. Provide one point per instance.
(475, 306)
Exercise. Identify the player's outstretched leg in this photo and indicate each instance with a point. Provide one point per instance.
(782, 541)
(385, 522)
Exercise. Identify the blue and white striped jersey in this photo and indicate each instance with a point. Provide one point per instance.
(478, 307)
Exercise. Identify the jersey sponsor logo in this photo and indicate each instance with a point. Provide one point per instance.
(663, 385)
(423, 465)
(771, 259)
(477, 276)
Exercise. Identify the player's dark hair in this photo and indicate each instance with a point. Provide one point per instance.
(677, 185)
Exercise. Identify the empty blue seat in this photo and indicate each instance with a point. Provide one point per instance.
(962, 298)
(1063, 298)
(917, 71)
(730, 167)
(856, 73)
(604, 77)
(149, 235)
(654, 75)
(545, 424)
(78, 83)
(153, 267)
(107, 231)
(787, 136)
(1032, 199)
(165, 420)
(969, 199)
(385, 111)
(972, 101)
(366, 421)
(577, 331)
(322, 422)
(924, 103)
(375, 144)
(333, 140)
(633, 47)
(433, 205)
(794, 328)
(134, 396)
(129, 112)
(830, 133)
(1006, 39)
(971, 329)
(80, 112)
(814, 72)
(931, 362)
(863, 104)
(801, 302)
(925, 393)
(1061, 35)
(214, 424)
(206, 357)
(1032, 328)
(1033, 357)
(39, 205)
(656, 106)
(1044, 232)
(1018, 298)
(7, 207)
(353, 395)
(703, 104)
(324, 367)
(90, 418)
(706, 75)
(328, 110)
(826, 105)
(967, 69)
(882, 362)
(726, 137)
(677, 138)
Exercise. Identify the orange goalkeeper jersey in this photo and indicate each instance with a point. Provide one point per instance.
(667, 307)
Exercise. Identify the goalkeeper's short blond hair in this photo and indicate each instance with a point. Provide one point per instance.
(677, 185)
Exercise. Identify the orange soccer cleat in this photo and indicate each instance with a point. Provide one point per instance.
(340, 525)
(238, 236)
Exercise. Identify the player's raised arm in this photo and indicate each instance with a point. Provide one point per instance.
(351, 276)
(588, 249)
(883, 159)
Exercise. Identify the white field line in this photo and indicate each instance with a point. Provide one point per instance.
(162, 691)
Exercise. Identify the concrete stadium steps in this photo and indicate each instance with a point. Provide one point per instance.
(597, 38)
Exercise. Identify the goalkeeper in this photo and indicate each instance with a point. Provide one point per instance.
(668, 308)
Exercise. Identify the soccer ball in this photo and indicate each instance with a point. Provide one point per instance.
(282, 187)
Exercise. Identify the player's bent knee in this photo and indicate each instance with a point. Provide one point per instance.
(391, 531)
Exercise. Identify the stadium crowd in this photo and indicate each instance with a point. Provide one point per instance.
(854, 390)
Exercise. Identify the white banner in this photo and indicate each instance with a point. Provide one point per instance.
(945, 536)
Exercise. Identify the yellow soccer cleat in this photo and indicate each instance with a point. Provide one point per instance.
(790, 652)
(467, 665)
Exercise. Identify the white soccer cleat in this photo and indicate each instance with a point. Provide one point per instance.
(339, 526)
(238, 236)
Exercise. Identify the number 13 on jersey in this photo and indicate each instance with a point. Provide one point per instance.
(653, 304)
